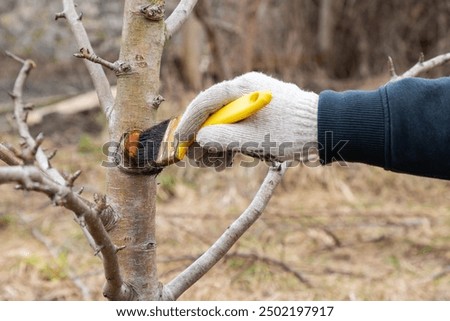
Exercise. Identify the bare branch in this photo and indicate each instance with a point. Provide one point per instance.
(392, 68)
(60, 15)
(96, 72)
(44, 179)
(33, 179)
(33, 151)
(117, 67)
(179, 16)
(204, 263)
(420, 67)
(423, 66)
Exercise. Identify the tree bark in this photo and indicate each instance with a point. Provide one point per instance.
(133, 196)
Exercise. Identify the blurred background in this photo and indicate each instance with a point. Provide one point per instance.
(329, 233)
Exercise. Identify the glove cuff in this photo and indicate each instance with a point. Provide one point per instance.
(351, 127)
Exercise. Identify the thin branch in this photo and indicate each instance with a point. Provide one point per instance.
(420, 67)
(42, 178)
(96, 72)
(33, 151)
(33, 179)
(218, 250)
(117, 67)
(179, 16)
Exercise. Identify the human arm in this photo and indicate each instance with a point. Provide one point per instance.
(402, 126)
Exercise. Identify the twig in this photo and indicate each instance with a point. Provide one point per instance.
(117, 67)
(179, 16)
(33, 151)
(392, 71)
(96, 72)
(204, 263)
(33, 179)
(84, 290)
(420, 67)
(42, 178)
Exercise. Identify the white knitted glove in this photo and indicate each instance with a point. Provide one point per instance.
(285, 129)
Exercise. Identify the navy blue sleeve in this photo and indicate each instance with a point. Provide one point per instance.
(403, 126)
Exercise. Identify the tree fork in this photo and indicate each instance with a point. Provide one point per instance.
(133, 196)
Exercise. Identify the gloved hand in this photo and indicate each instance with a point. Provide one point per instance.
(285, 129)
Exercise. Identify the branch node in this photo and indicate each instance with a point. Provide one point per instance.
(421, 58)
(52, 154)
(122, 67)
(117, 67)
(80, 16)
(98, 250)
(59, 199)
(80, 191)
(157, 101)
(152, 12)
(60, 15)
(28, 107)
(38, 142)
(72, 178)
(120, 248)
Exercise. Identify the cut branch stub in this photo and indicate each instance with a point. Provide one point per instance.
(157, 101)
(60, 15)
(119, 67)
(153, 12)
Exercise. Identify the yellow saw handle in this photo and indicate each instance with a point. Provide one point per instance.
(233, 112)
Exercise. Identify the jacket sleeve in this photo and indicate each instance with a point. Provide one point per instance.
(403, 126)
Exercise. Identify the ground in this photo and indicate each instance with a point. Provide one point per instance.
(329, 233)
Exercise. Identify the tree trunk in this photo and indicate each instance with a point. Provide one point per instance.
(133, 196)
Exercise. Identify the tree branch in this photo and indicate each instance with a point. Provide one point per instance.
(117, 67)
(204, 263)
(420, 67)
(179, 16)
(96, 72)
(31, 178)
(32, 151)
(45, 179)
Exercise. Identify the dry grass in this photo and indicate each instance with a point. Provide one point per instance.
(352, 232)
